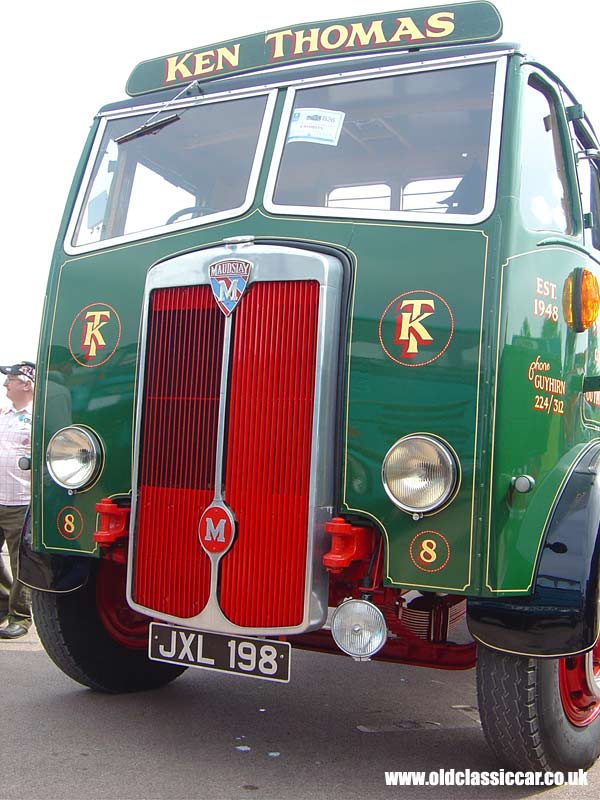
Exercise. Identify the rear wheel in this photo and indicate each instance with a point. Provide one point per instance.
(540, 714)
(95, 638)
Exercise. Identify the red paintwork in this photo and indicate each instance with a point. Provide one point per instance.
(172, 571)
(122, 624)
(216, 530)
(267, 449)
(580, 706)
(406, 650)
(269, 453)
(348, 543)
(113, 523)
(178, 446)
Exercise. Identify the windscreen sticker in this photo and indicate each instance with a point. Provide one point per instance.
(317, 125)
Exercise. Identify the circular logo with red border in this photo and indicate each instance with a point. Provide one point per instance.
(429, 551)
(216, 529)
(416, 328)
(94, 334)
(69, 523)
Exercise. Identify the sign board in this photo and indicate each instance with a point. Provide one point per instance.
(460, 23)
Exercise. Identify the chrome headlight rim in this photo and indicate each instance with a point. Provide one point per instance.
(449, 456)
(378, 635)
(96, 459)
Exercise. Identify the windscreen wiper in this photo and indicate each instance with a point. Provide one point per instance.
(147, 127)
(153, 125)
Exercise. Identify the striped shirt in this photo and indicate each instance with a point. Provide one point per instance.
(15, 441)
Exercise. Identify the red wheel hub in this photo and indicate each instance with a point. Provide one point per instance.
(579, 684)
(124, 625)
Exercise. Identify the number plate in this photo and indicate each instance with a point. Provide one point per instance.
(256, 658)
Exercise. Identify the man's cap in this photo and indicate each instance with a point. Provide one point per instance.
(25, 368)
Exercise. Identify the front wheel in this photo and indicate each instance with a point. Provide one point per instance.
(93, 636)
(540, 713)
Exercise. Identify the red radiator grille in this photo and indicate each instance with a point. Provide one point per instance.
(268, 453)
(178, 445)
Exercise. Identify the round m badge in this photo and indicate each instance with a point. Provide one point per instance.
(216, 529)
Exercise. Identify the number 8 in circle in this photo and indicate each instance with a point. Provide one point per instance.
(69, 523)
(429, 551)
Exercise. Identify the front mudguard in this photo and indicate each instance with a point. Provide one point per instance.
(561, 616)
(49, 572)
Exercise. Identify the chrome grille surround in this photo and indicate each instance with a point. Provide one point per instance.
(270, 263)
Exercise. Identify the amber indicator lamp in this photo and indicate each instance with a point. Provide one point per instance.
(580, 299)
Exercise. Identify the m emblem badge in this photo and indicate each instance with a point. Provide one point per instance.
(228, 280)
(216, 529)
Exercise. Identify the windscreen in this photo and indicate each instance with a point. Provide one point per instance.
(416, 143)
(197, 164)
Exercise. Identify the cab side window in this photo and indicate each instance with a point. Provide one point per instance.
(543, 182)
(589, 190)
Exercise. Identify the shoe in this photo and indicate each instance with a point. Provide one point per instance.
(3, 617)
(13, 631)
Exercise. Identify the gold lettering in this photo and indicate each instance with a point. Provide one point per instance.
(311, 39)
(229, 55)
(440, 25)
(543, 383)
(410, 333)
(92, 338)
(593, 398)
(277, 40)
(537, 366)
(340, 35)
(176, 69)
(357, 31)
(204, 62)
(406, 30)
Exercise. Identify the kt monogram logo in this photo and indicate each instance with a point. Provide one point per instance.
(416, 328)
(92, 339)
(94, 335)
(410, 331)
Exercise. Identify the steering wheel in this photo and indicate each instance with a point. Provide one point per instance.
(195, 211)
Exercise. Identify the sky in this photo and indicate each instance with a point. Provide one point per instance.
(61, 61)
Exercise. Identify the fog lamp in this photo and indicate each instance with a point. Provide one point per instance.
(73, 457)
(358, 628)
(419, 473)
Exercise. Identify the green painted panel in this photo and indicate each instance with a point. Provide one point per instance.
(457, 23)
(539, 406)
(415, 366)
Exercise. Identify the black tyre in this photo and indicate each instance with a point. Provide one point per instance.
(540, 714)
(96, 639)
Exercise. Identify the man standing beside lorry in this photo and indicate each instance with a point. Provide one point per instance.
(15, 492)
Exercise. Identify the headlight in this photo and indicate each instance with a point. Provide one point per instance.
(73, 457)
(419, 473)
(358, 628)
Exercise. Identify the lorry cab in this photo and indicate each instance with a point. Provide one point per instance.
(324, 301)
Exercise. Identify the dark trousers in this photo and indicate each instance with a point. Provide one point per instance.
(15, 598)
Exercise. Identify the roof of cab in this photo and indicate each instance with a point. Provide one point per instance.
(423, 28)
